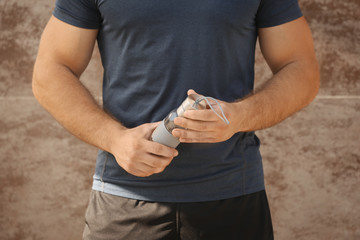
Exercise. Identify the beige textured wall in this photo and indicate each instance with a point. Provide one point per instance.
(311, 160)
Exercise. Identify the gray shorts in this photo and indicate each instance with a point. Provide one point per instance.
(110, 217)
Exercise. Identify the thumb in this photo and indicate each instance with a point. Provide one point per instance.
(149, 128)
(191, 91)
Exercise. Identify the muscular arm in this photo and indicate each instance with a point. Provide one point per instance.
(288, 50)
(64, 53)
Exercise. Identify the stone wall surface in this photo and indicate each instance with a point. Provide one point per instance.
(311, 160)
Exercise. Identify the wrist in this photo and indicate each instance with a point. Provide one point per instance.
(113, 132)
(241, 115)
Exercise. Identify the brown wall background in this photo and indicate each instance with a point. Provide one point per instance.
(311, 160)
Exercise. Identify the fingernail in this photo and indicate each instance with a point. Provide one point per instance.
(176, 153)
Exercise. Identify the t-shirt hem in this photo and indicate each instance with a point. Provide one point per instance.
(116, 190)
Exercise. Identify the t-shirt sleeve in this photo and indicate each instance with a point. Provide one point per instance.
(80, 13)
(275, 12)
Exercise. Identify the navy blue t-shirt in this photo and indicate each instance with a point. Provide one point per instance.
(152, 52)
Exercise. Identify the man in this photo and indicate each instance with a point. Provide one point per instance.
(153, 52)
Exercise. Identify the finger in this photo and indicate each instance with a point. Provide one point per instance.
(200, 140)
(154, 161)
(140, 170)
(196, 125)
(158, 164)
(206, 115)
(160, 149)
(193, 136)
(147, 164)
(149, 128)
(192, 91)
(145, 171)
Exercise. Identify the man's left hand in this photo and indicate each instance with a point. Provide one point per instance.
(204, 126)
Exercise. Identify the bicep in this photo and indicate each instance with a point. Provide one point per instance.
(286, 43)
(66, 45)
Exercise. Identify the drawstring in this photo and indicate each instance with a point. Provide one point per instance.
(223, 117)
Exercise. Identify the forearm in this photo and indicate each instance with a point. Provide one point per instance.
(61, 93)
(288, 49)
(289, 90)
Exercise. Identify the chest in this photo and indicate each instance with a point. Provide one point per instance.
(178, 13)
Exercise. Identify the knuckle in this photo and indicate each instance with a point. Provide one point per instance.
(157, 148)
(184, 134)
(184, 123)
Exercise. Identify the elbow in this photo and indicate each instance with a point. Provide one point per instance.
(314, 79)
(36, 82)
(39, 81)
(310, 82)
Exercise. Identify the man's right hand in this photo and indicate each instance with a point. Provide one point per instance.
(64, 53)
(137, 154)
